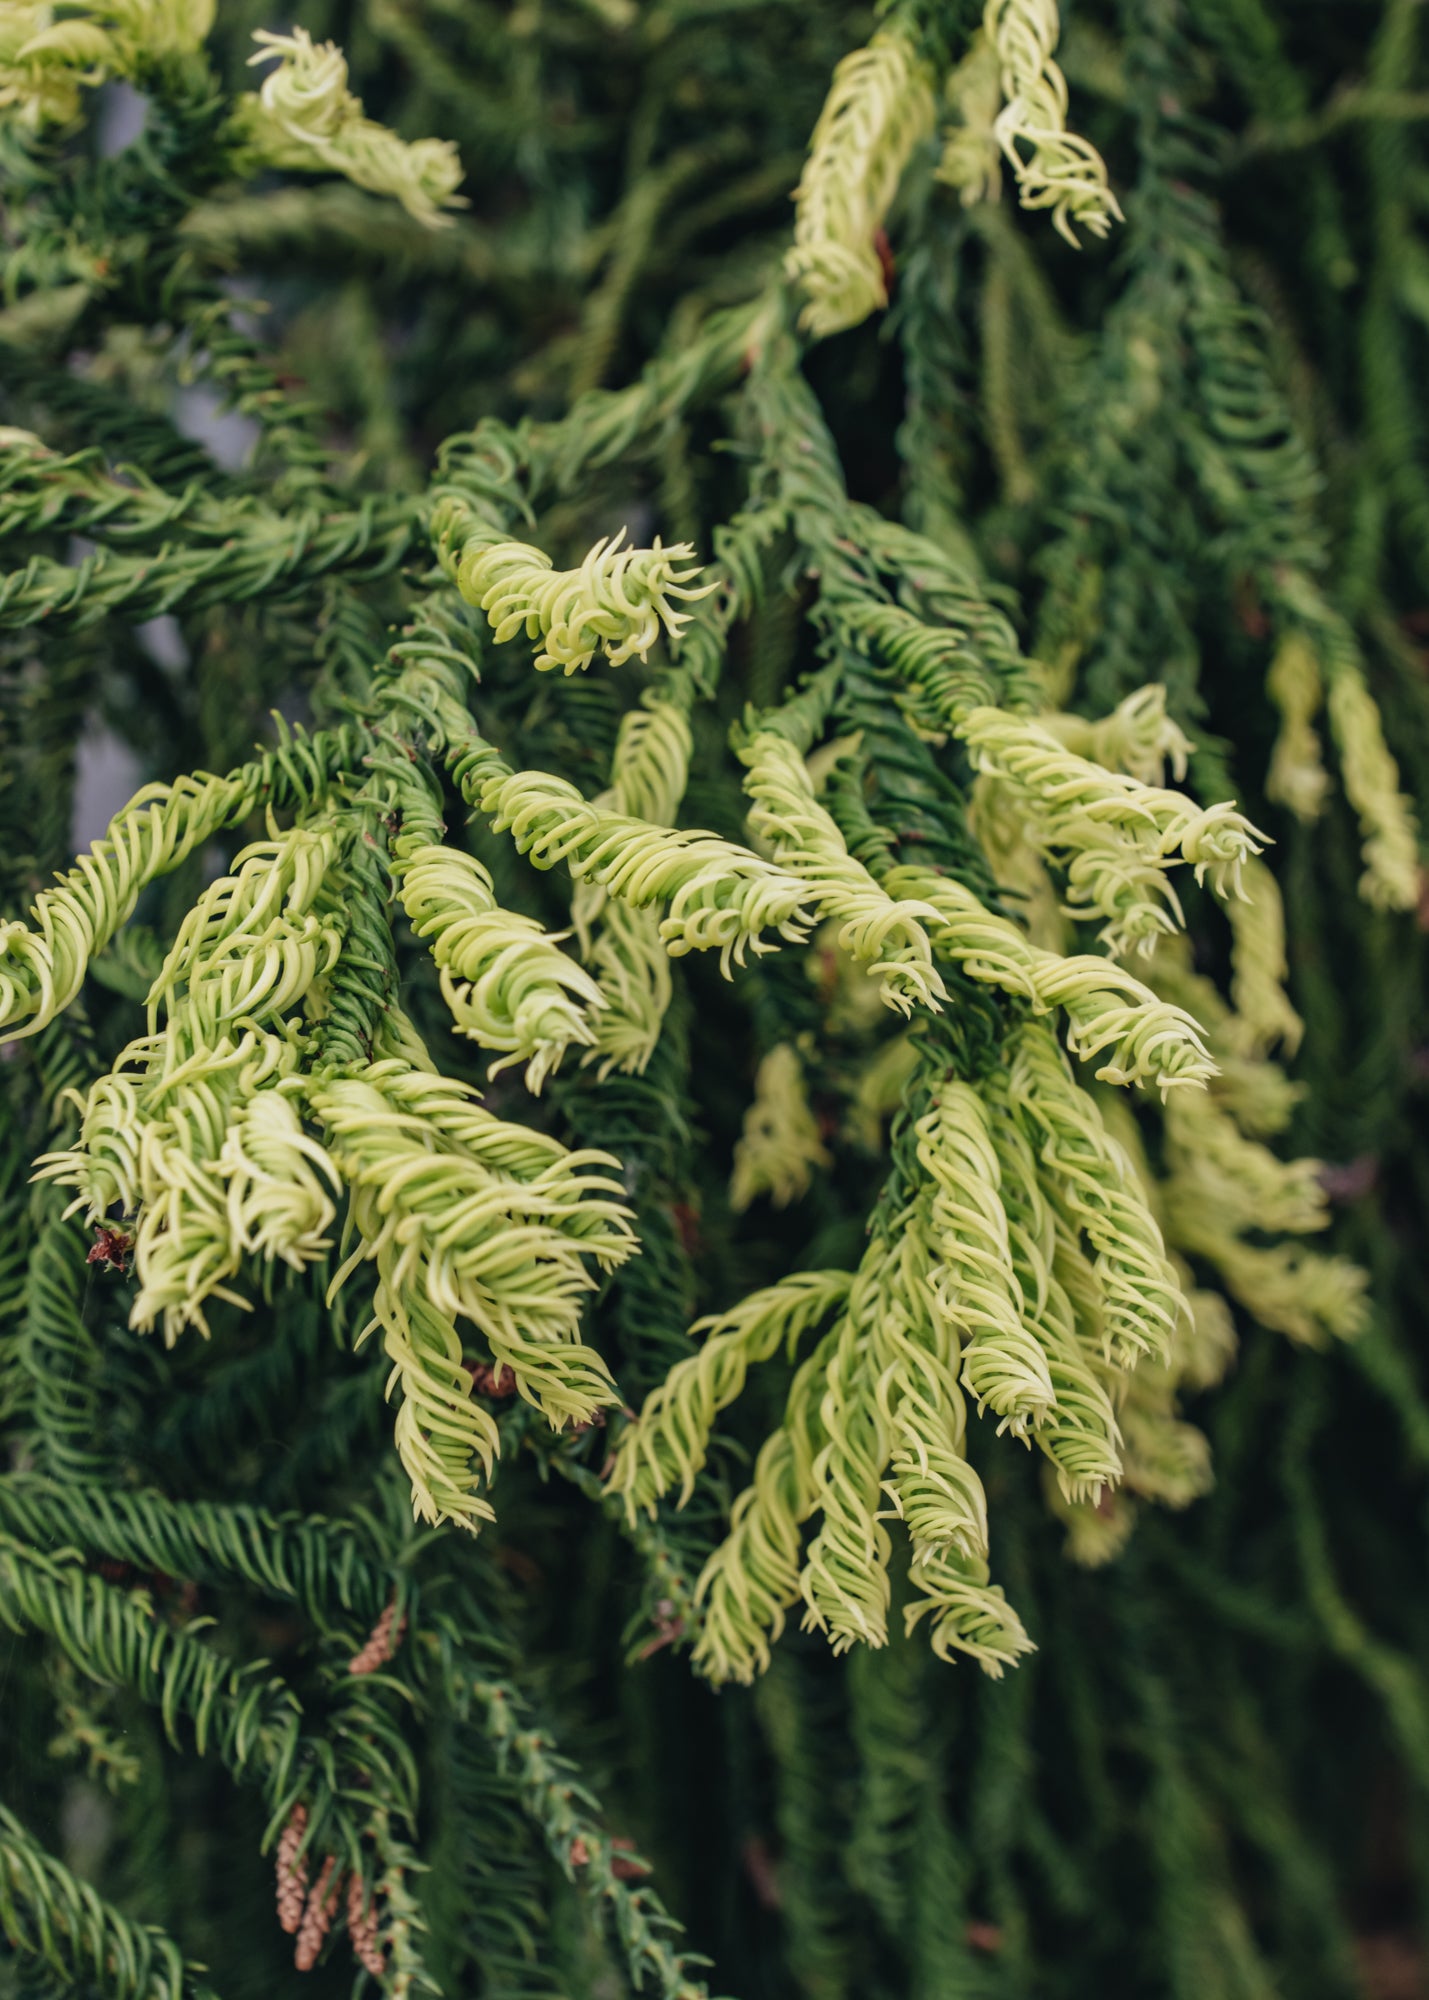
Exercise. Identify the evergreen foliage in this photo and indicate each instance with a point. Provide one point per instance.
(788, 1243)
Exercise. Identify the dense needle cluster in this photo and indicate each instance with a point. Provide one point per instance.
(883, 855)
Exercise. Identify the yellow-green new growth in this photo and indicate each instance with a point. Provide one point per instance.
(1257, 1093)
(620, 943)
(879, 106)
(1166, 1460)
(469, 1218)
(780, 1147)
(1263, 1013)
(305, 117)
(651, 764)
(968, 1614)
(1003, 1365)
(179, 1135)
(719, 895)
(930, 1485)
(1221, 1187)
(1079, 1432)
(844, 1581)
(668, 1443)
(886, 935)
(972, 154)
(1325, 646)
(253, 944)
(618, 602)
(42, 970)
(509, 986)
(981, 1277)
(1093, 1187)
(1297, 777)
(913, 1351)
(1116, 837)
(752, 1578)
(1109, 1011)
(1060, 170)
(46, 55)
(875, 1412)
(1235, 1179)
(1371, 779)
(1138, 737)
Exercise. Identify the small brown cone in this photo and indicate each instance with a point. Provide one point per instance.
(292, 1871)
(362, 1928)
(382, 1642)
(318, 1916)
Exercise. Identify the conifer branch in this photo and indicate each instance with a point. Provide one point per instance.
(878, 109)
(49, 1914)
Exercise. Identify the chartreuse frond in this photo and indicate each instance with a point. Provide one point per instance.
(1220, 1187)
(718, 895)
(1238, 1177)
(1263, 1013)
(651, 766)
(1079, 1431)
(1095, 1535)
(41, 86)
(1206, 1340)
(931, 1486)
(752, 1579)
(1109, 1011)
(467, 1218)
(888, 936)
(844, 1580)
(175, 1135)
(1116, 836)
(1319, 652)
(879, 108)
(967, 1614)
(981, 1285)
(254, 943)
(198, 1136)
(1060, 171)
(631, 966)
(1302, 1293)
(279, 1183)
(1297, 778)
(509, 986)
(779, 1148)
(874, 1411)
(42, 970)
(668, 1442)
(305, 117)
(1138, 737)
(619, 602)
(995, 821)
(620, 943)
(972, 153)
(1092, 1185)
(1392, 875)
(1257, 1092)
(934, 1490)
(1166, 1459)
(1003, 1367)
(45, 59)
